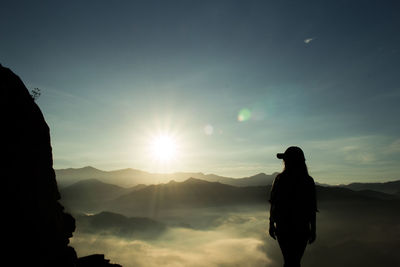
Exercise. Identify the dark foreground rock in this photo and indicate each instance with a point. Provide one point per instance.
(95, 260)
(35, 227)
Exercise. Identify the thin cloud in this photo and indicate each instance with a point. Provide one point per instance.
(309, 40)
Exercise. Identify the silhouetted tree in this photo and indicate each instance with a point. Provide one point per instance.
(35, 93)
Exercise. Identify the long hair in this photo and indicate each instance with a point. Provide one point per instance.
(295, 167)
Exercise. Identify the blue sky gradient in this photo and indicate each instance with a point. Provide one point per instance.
(323, 75)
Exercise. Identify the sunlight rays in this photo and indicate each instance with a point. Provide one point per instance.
(163, 148)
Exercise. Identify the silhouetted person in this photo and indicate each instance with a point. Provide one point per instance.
(293, 207)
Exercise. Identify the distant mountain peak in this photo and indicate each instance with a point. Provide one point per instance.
(90, 168)
(192, 180)
(258, 175)
(85, 168)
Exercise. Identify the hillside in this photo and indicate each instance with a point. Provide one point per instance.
(109, 223)
(192, 193)
(94, 196)
(90, 193)
(392, 187)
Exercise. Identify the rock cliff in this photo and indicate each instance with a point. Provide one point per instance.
(36, 229)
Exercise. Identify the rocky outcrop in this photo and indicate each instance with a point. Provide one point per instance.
(36, 229)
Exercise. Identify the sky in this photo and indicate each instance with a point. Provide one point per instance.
(232, 83)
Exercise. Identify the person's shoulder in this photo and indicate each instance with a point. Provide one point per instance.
(310, 180)
(280, 176)
(276, 179)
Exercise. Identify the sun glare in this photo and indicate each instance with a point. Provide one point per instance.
(164, 148)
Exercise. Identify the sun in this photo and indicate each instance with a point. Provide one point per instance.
(163, 148)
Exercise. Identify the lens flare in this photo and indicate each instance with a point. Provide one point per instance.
(244, 115)
(208, 129)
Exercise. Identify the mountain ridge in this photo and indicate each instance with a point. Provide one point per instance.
(129, 177)
(112, 223)
(390, 187)
(191, 193)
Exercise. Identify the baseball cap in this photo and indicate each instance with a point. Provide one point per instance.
(292, 152)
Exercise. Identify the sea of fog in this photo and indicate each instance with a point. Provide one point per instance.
(226, 237)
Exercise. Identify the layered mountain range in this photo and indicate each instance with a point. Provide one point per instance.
(130, 177)
(93, 195)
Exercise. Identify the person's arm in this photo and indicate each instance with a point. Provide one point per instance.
(313, 219)
(313, 229)
(272, 228)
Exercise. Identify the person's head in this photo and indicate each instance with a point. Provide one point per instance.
(294, 160)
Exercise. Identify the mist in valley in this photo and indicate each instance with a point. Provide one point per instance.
(206, 223)
(230, 239)
(237, 236)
